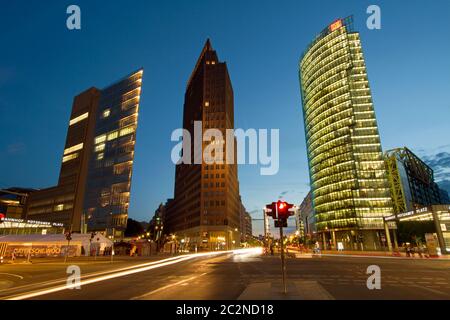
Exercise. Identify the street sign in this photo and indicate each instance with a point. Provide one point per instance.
(281, 223)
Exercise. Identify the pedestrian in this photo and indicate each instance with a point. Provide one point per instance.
(13, 255)
(405, 246)
(425, 251)
(317, 247)
(419, 251)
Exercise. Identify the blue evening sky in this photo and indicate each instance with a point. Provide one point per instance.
(43, 66)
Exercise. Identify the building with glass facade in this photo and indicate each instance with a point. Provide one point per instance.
(306, 215)
(411, 181)
(350, 192)
(246, 228)
(13, 202)
(93, 189)
(108, 185)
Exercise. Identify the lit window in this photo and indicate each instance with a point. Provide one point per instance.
(207, 104)
(106, 113)
(100, 139)
(126, 131)
(112, 135)
(213, 62)
(100, 156)
(70, 157)
(59, 207)
(79, 118)
(100, 147)
(73, 148)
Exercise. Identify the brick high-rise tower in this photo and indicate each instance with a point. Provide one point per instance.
(205, 213)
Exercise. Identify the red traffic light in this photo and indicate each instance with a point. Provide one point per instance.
(279, 210)
(271, 210)
(284, 209)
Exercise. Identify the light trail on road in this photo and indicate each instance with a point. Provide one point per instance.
(129, 271)
(12, 275)
(90, 275)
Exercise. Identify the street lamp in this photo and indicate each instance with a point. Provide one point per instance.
(175, 242)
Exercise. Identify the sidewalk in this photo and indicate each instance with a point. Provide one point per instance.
(370, 254)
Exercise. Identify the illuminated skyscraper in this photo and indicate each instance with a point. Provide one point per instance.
(205, 212)
(348, 177)
(108, 184)
(95, 177)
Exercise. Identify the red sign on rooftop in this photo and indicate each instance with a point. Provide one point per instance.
(336, 25)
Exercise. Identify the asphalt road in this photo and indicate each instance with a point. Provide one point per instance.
(228, 277)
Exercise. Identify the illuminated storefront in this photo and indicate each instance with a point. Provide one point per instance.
(350, 191)
(12, 226)
(411, 181)
(439, 214)
(54, 245)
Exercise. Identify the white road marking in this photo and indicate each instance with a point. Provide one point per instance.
(12, 275)
(432, 290)
(182, 282)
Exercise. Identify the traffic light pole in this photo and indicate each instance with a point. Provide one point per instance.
(280, 212)
(283, 262)
(112, 248)
(67, 250)
(69, 237)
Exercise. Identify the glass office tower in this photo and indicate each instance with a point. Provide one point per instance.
(109, 175)
(93, 191)
(348, 176)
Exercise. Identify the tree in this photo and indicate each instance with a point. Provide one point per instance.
(134, 228)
